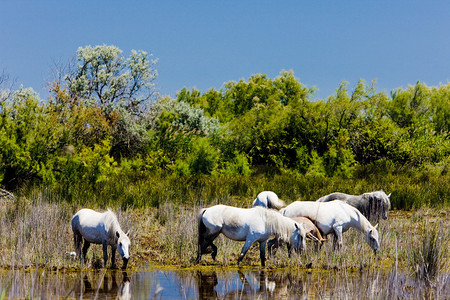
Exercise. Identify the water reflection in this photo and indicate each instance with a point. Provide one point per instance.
(102, 284)
(216, 283)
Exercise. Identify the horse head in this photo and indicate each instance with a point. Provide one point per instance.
(372, 238)
(123, 246)
(379, 204)
(298, 238)
(386, 206)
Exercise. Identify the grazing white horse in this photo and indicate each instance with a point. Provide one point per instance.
(334, 217)
(371, 205)
(268, 199)
(100, 228)
(251, 225)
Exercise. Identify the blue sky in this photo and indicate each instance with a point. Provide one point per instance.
(204, 44)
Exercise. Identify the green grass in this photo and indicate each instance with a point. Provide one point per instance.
(409, 190)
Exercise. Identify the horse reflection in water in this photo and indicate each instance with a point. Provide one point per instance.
(106, 284)
(206, 283)
(252, 284)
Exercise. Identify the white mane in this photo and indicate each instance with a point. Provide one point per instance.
(112, 224)
(277, 223)
(381, 195)
(363, 222)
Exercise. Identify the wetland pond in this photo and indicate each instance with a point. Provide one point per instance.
(216, 283)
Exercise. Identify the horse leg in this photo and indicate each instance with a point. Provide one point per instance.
(214, 252)
(214, 247)
(262, 252)
(272, 246)
(337, 237)
(289, 249)
(85, 249)
(77, 239)
(113, 256)
(247, 245)
(202, 248)
(105, 253)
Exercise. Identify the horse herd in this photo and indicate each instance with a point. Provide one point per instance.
(292, 224)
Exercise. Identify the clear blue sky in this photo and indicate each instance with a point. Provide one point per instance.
(204, 44)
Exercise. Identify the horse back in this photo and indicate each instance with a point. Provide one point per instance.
(233, 222)
(91, 225)
(334, 196)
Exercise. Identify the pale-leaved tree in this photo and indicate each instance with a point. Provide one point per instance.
(122, 87)
(104, 75)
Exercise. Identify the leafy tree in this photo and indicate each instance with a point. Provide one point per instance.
(175, 124)
(105, 76)
(28, 139)
(122, 87)
(440, 108)
(410, 108)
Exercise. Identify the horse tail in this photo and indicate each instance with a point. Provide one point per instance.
(275, 203)
(201, 226)
(77, 238)
(201, 231)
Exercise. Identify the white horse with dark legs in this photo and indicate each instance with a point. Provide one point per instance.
(268, 199)
(334, 217)
(246, 224)
(100, 228)
(371, 205)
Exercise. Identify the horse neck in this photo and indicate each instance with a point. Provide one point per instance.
(360, 222)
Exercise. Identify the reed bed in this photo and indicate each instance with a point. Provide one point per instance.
(37, 232)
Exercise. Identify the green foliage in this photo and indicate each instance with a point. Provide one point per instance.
(237, 166)
(98, 128)
(28, 139)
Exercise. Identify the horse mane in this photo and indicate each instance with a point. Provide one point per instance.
(376, 202)
(111, 222)
(363, 221)
(277, 223)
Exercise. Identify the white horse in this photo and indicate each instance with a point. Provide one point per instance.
(100, 228)
(268, 199)
(334, 217)
(371, 205)
(251, 225)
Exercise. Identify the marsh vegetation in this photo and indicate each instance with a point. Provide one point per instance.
(35, 236)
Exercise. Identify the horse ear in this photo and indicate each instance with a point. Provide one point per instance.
(376, 226)
(128, 233)
(117, 234)
(389, 195)
(296, 225)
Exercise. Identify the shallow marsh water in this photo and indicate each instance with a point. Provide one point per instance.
(217, 283)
